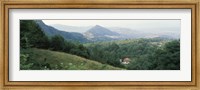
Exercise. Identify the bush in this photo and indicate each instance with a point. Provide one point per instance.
(24, 65)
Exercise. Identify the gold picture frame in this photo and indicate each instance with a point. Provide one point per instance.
(6, 84)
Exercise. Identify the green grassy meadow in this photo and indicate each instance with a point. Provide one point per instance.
(62, 61)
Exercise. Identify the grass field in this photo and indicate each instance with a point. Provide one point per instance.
(62, 61)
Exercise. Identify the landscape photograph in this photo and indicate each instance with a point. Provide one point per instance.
(100, 44)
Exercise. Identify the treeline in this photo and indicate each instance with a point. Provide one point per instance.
(166, 57)
(145, 54)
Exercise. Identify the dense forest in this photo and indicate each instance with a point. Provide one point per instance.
(36, 48)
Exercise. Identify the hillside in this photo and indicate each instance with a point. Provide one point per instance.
(62, 61)
(103, 52)
(144, 54)
(51, 31)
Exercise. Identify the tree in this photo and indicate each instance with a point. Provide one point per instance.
(68, 46)
(113, 47)
(57, 43)
(31, 35)
(167, 57)
(170, 56)
(24, 65)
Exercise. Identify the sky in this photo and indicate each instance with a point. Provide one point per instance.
(131, 24)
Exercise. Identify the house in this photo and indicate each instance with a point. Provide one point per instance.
(125, 60)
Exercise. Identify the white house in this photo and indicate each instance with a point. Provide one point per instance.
(125, 60)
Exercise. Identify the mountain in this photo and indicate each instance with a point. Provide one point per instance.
(51, 31)
(99, 33)
(68, 28)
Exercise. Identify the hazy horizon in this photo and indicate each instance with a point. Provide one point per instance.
(142, 25)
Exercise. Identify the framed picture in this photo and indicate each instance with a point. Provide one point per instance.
(100, 44)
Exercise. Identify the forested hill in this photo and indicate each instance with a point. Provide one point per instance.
(145, 54)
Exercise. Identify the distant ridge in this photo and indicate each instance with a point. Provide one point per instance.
(51, 31)
(100, 33)
(98, 30)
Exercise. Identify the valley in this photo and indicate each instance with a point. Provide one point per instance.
(44, 47)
